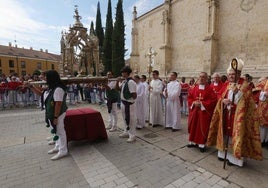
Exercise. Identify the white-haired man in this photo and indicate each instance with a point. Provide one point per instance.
(216, 83)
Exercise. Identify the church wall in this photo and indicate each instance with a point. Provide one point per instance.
(187, 34)
(243, 33)
(149, 34)
(240, 31)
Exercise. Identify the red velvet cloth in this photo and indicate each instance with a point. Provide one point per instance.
(84, 124)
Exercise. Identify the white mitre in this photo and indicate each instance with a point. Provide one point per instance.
(240, 65)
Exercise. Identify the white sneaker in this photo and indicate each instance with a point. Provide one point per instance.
(49, 138)
(109, 127)
(124, 135)
(54, 150)
(131, 139)
(58, 156)
(52, 142)
(113, 129)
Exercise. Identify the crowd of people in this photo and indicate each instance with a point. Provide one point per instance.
(228, 111)
(13, 94)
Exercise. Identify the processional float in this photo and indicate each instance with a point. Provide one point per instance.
(80, 53)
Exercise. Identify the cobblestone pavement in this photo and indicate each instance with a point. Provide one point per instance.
(159, 158)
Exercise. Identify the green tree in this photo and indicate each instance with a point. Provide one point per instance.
(118, 42)
(99, 29)
(37, 72)
(92, 30)
(107, 43)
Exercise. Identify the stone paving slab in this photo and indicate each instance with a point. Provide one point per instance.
(98, 171)
(215, 166)
(8, 141)
(192, 155)
(29, 165)
(162, 161)
(169, 144)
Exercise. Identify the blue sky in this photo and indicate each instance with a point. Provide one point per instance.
(38, 23)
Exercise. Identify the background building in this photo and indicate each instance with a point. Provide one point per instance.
(190, 36)
(26, 61)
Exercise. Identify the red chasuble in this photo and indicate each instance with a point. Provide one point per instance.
(216, 86)
(199, 120)
(262, 109)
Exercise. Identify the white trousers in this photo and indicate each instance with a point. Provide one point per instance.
(264, 133)
(140, 112)
(132, 122)
(113, 116)
(61, 143)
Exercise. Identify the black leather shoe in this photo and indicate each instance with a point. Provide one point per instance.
(220, 159)
(192, 145)
(175, 130)
(168, 128)
(230, 164)
(202, 150)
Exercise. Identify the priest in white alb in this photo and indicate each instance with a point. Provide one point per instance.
(156, 111)
(146, 98)
(140, 111)
(172, 93)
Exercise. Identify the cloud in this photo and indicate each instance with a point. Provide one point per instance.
(20, 26)
(144, 6)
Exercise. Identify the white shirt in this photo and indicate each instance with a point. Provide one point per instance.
(112, 84)
(58, 94)
(132, 88)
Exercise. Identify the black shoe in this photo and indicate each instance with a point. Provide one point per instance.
(263, 144)
(220, 159)
(168, 128)
(138, 128)
(175, 130)
(192, 145)
(202, 150)
(229, 163)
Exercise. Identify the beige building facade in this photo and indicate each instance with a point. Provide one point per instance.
(190, 36)
(25, 61)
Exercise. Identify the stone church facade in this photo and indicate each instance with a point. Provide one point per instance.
(190, 36)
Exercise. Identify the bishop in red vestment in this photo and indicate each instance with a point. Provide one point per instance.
(235, 120)
(201, 101)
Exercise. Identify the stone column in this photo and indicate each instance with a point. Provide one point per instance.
(134, 56)
(165, 49)
(210, 39)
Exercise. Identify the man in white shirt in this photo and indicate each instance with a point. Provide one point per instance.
(128, 106)
(146, 98)
(112, 96)
(140, 111)
(172, 93)
(156, 111)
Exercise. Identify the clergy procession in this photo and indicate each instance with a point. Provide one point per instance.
(226, 112)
